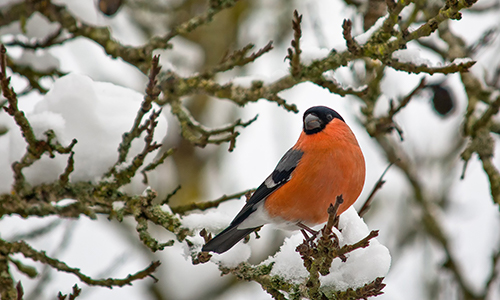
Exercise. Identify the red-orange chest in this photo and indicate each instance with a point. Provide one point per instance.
(328, 168)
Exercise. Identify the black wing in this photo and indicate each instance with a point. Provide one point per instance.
(231, 235)
(281, 174)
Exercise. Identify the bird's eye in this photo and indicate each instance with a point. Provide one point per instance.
(329, 117)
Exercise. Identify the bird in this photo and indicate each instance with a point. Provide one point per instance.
(325, 162)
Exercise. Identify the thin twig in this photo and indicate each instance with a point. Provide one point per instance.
(28, 252)
(237, 58)
(352, 45)
(152, 93)
(378, 185)
(424, 68)
(200, 135)
(36, 148)
(154, 164)
(49, 41)
(208, 204)
(70, 167)
(295, 51)
(407, 98)
(170, 195)
(125, 175)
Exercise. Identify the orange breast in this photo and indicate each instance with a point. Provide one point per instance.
(332, 164)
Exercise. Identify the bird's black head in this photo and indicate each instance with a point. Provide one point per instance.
(317, 117)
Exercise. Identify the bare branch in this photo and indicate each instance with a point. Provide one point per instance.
(151, 166)
(237, 58)
(294, 52)
(352, 45)
(378, 185)
(36, 148)
(28, 252)
(70, 167)
(200, 135)
(152, 93)
(49, 41)
(417, 69)
(208, 204)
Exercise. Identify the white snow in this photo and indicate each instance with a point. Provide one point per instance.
(239, 253)
(365, 36)
(362, 266)
(118, 205)
(65, 202)
(310, 54)
(38, 26)
(411, 55)
(460, 61)
(470, 219)
(214, 220)
(40, 60)
(94, 113)
(415, 56)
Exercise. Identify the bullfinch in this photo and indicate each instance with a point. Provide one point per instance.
(325, 162)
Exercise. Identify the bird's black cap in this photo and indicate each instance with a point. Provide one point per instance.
(317, 117)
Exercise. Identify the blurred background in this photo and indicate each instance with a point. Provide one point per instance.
(432, 123)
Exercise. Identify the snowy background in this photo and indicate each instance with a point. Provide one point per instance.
(98, 100)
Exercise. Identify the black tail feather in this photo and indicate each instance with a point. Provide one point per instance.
(227, 239)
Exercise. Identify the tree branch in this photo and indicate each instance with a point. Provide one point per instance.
(28, 252)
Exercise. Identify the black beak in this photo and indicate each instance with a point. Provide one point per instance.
(312, 122)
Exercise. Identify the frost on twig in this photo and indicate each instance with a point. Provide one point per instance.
(318, 256)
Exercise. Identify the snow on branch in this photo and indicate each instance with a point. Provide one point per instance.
(317, 271)
(36, 148)
(414, 66)
(92, 198)
(138, 56)
(329, 263)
